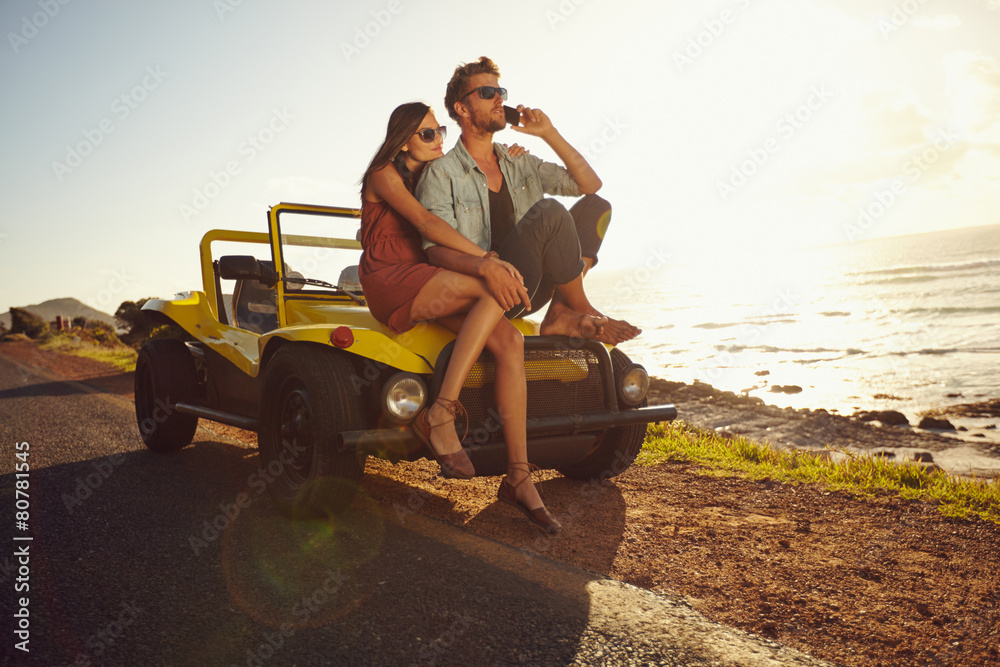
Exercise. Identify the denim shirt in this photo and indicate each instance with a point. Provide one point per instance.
(453, 187)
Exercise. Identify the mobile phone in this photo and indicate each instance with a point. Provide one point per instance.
(512, 116)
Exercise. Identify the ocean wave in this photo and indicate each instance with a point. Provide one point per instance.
(749, 322)
(807, 362)
(931, 268)
(771, 349)
(941, 351)
(716, 325)
(835, 313)
(953, 310)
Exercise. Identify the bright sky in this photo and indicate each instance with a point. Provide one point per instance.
(728, 131)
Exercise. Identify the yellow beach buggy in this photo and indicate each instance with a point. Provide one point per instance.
(282, 343)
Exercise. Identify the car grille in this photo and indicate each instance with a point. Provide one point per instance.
(560, 382)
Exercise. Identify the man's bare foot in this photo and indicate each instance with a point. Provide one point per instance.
(618, 331)
(561, 320)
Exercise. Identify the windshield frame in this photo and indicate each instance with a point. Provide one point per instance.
(278, 240)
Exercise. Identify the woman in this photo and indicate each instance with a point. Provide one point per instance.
(402, 288)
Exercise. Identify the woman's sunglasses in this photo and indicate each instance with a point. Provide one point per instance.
(427, 134)
(488, 92)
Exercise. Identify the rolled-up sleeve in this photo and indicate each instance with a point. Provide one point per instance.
(556, 180)
(434, 193)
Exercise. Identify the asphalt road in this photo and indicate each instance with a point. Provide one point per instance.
(139, 558)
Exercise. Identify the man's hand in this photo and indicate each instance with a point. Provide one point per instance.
(504, 283)
(533, 122)
(536, 123)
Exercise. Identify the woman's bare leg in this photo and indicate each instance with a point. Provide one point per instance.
(445, 295)
(507, 345)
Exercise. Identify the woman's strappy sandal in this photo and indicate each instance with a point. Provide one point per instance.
(539, 517)
(456, 464)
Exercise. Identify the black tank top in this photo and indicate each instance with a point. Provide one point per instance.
(501, 216)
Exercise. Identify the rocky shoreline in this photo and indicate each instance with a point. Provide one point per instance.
(934, 441)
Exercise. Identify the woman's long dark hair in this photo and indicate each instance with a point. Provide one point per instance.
(403, 124)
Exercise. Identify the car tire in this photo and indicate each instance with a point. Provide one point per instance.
(165, 375)
(619, 446)
(308, 398)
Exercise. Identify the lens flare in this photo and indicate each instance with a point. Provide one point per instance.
(301, 573)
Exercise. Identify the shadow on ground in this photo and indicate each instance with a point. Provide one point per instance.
(175, 559)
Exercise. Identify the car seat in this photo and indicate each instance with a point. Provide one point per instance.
(255, 304)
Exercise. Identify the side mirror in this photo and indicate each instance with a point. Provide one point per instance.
(246, 267)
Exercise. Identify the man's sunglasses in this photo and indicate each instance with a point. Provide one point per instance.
(488, 92)
(427, 134)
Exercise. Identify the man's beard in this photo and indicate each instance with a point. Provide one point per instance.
(487, 122)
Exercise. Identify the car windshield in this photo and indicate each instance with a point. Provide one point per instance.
(312, 248)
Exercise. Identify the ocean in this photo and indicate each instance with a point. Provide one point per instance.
(906, 323)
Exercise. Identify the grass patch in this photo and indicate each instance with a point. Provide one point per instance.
(117, 354)
(862, 475)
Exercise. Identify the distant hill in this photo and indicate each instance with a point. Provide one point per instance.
(68, 307)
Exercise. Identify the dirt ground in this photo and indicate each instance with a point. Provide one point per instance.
(852, 581)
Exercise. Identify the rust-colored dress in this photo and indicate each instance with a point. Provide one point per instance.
(393, 266)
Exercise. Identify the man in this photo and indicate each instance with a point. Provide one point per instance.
(499, 204)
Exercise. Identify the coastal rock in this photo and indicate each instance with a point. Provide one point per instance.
(932, 423)
(978, 410)
(923, 457)
(786, 389)
(703, 406)
(886, 417)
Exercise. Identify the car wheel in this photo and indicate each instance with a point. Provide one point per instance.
(619, 446)
(308, 398)
(164, 376)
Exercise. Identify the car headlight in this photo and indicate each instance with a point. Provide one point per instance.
(633, 383)
(403, 396)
